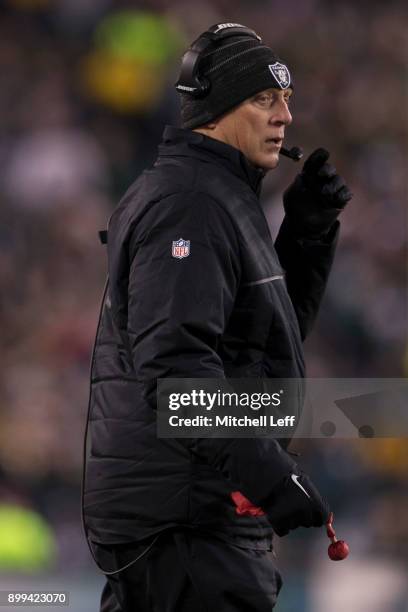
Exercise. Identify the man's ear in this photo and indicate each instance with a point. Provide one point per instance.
(207, 127)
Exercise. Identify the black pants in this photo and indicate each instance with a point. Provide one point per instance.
(187, 572)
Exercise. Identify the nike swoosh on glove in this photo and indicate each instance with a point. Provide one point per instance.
(316, 197)
(296, 502)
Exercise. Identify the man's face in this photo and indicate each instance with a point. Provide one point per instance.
(257, 126)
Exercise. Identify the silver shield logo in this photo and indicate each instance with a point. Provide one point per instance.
(281, 74)
(180, 248)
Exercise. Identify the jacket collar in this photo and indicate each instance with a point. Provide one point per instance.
(179, 142)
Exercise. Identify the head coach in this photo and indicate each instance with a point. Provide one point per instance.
(197, 288)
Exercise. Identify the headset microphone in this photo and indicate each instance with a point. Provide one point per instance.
(295, 153)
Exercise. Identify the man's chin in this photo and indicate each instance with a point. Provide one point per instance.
(268, 162)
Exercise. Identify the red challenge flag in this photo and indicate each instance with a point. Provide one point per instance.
(338, 549)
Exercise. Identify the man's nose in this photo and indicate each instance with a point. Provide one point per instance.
(282, 115)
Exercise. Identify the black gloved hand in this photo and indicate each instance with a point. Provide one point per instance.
(316, 197)
(296, 503)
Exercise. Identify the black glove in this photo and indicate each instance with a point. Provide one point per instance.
(294, 503)
(316, 197)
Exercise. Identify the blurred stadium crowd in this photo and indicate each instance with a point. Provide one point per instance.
(86, 87)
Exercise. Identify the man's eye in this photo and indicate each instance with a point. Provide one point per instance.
(263, 99)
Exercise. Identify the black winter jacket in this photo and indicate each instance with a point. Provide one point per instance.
(236, 306)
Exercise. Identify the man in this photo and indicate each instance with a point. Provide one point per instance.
(197, 289)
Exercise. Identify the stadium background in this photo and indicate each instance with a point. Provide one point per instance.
(86, 88)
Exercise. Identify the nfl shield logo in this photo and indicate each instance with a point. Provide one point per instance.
(180, 248)
(281, 74)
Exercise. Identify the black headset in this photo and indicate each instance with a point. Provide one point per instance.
(190, 81)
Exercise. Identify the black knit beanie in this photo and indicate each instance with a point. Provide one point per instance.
(237, 68)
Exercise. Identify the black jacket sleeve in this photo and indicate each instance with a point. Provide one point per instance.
(177, 311)
(307, 263)
(178, 307)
